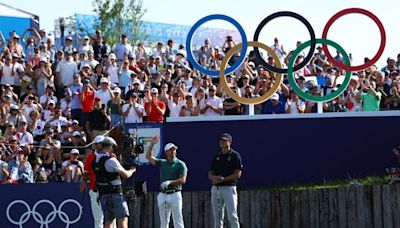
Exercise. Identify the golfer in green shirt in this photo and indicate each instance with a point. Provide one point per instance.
(172, 175)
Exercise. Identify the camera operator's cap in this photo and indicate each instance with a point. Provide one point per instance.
(98, 139)
(109, 141)
(103, 80)
(169, 146)
(74, 151)
(275, 96)
(226, 136)
(136, 81)
(117, 90)
(76, 133)
(154, 90)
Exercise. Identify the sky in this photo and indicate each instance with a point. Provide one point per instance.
(356, 33)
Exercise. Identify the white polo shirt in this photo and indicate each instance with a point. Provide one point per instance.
(174, 108)
(132, 116)
(67, 69)
(214, 101)
(104, 95)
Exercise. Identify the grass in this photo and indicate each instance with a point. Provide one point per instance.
(371, 180)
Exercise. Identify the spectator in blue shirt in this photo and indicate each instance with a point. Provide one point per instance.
(321, 79)
(273, 105)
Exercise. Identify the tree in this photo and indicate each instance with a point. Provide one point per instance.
(116, 17)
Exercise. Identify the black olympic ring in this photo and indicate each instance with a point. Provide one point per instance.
(287, 14)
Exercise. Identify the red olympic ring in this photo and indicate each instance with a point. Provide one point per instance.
(381, 47)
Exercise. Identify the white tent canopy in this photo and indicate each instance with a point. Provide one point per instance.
(9, 11)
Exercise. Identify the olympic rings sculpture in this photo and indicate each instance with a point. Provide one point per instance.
(44, 222)
(289, 71)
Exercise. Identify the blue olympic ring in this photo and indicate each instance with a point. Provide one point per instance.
(193, 61)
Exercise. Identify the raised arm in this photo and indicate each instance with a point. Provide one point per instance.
(149, 155)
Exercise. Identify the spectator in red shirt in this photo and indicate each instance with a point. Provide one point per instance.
(87, 99)
(155, 108)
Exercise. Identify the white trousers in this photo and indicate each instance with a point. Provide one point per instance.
(222, 196)
(96, 209)
(168, 203)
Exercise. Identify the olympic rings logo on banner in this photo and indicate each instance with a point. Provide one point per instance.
(289, 71)
(44, 222)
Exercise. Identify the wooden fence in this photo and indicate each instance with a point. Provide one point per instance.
(353, 207)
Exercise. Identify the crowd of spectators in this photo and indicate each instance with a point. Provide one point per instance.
(53, 101)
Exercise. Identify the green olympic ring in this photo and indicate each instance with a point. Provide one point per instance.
(308, 96)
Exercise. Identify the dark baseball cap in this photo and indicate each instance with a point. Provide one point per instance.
(226, 136)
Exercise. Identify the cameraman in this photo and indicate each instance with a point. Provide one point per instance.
(108, 182)
(89, 175)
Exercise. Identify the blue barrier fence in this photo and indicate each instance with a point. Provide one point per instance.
(284, 150)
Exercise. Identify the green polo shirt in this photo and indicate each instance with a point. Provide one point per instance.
(171, 171)
(371, 102)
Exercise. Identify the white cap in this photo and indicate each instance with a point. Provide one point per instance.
(117, 90)
(98, 139)
(76, 133)
(86, 38)
(74, 151)
(251, 64)
(275, 96)
(181, 53)
(103, 79)
(169, 146)
(51, 102)
(85, 65)
(154, 90)
(43, 59)
(112, 56)
(136, 81)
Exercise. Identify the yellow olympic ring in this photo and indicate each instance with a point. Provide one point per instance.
(244, 100)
